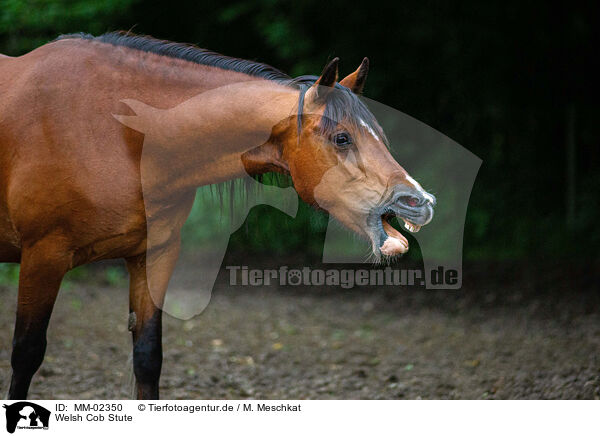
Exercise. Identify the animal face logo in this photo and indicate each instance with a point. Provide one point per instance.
(351, 173)
(26, 415)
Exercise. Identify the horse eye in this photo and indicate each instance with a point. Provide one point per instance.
(342, 140)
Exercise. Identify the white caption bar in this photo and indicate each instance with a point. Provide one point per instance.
(298, 417)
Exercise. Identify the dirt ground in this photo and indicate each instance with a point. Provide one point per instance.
(511, 339)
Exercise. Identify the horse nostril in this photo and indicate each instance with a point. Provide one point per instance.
(410, 200)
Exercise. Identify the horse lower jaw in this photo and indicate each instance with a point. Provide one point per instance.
(392, 242)
(386, 240)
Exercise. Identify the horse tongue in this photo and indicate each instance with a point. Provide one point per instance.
(396, 243)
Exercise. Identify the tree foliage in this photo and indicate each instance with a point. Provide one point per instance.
(508, 80)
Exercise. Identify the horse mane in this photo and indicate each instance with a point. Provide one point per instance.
(184, 51)
(342, 105)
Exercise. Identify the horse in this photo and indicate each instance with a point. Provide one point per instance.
(73, 189)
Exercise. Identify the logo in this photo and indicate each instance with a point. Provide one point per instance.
(26, 415)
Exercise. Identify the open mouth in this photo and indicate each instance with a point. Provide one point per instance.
(392, 242)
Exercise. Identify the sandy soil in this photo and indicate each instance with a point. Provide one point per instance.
(506, 340)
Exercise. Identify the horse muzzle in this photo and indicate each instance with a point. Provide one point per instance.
(413, 206)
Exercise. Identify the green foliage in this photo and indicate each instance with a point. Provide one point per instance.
(9, 274)
(26, 24)
(496, 77)
(115, 276)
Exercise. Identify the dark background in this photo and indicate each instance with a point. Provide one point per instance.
(512, 82)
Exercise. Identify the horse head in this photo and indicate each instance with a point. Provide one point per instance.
(338, 158)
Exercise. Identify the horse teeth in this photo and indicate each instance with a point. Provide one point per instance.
(413, 228)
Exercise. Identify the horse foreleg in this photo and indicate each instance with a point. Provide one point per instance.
(43, 266)
(149, 277)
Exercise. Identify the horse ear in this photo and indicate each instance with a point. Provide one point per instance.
(326, 82)
(330, 73)
(356, 81)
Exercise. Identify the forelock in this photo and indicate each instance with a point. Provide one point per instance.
(341, 106)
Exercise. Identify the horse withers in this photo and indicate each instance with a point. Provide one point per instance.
(78, 184)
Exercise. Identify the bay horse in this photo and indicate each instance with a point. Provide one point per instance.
(71, 179)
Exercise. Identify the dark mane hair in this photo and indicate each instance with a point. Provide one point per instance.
(342, 105)
(184, 51)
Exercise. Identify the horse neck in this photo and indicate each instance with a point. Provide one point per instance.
(200, 140)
